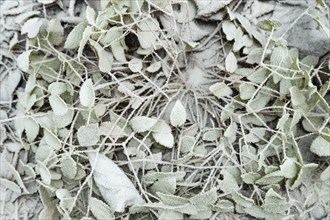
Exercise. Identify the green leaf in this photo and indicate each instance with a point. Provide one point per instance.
(320, 147)
(69, 167)
(74, 38)
(58, 105)
(269, 25)
(142, 123)
(220, 90)
(100, 210)
(231, 62)
(88, 135)
(178, 114)
(87, 94)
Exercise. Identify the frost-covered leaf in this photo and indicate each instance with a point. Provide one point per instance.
(90, 15)
(23, 60)
(75, 36)
(229, 183)
(231, 62)
(169, 199)
(113, 130)
(68, 167)
(85, 37)
(100, 210)
(154, 67)
(135, 65)
(7, 184)
(117, 190)
(289, 168)
(255, 56)
(325, 175)
(231, 132)
(8, 84)
(269, 25)
(87, 94)
(52, 140)
(250, 178)
(178, 114)
(31, 129)
(162, 134)
(320, 147)
(223, 206)
(55, 31)
(61, 121)
(220, 90)
(88, 135)
(44, 173)
(57, 88)
(31, 27)
(246, 91)
(297, 97)
(186, 143)
(165, 185)
(205, 198)
(211, 135)
(58, 105)
(229, 29)
(275, 203)
(105, 57)
(142, 123)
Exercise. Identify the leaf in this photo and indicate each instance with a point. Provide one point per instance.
(74, 38)
(269, 25)
(220, 90)
(246, 91)
(85, 37)
(223, 206)
(68, 167)
(178, 114)
(105, 57)
(205, 198)
(31, 129)
(321, 3)
(231, 62)
(255, 56)
(229, 29)
(87, 94)
(320, 147)
(44, 173)
(165, 185)
(325, 175)
(297, 97)
(135, 65)
(112, 130)
(56, 31)
(23, 60)
(142, 123)
(230, 132)
(275, 203)
(7, 184)
(88, 135)
(61, 121)
(117, 190)
(172, 199)
(100, 210)
(211, 135)
(52, 140)
(154, 67)
(8, 84)
(31, 27)
(57, 88)
(58, 105)
(90, 15)
(289, 168)
(162, 134)
(250, 178)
